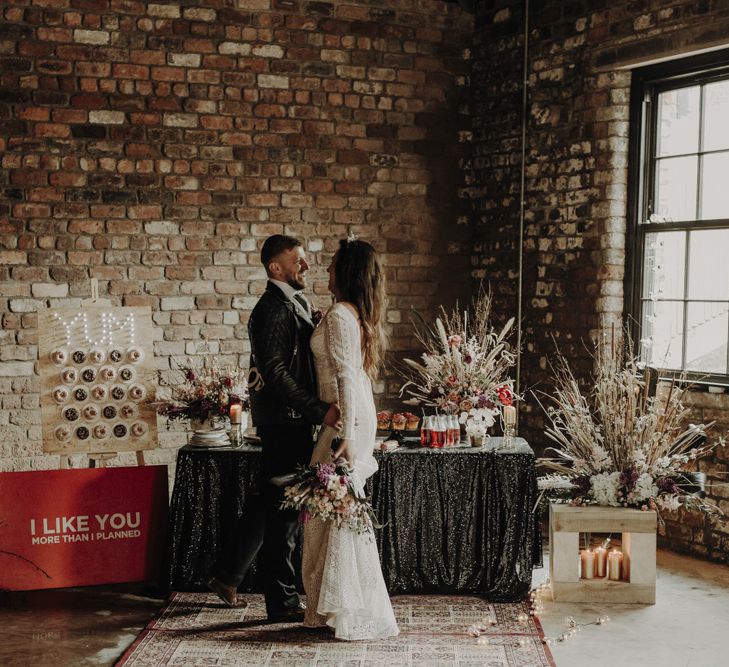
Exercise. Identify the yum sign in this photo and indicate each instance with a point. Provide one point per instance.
(79, 527)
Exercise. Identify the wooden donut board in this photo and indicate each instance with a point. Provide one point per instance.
(97, 325)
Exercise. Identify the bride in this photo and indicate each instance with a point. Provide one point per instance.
(345, 589)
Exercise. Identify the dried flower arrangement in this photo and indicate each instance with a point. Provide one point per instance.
(617, 445)
(465, 366)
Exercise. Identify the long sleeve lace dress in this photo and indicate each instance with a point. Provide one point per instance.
(341, 569)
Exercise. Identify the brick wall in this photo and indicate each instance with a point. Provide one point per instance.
(694, 532)
(155, 145)
(576, 170)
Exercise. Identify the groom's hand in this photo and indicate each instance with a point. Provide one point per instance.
(333, 417)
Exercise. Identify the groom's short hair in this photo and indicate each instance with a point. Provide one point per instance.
(274, 245)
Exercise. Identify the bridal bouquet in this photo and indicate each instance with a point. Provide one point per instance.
(465, 366)
(325, 491)
(618, 446)
(206, 390)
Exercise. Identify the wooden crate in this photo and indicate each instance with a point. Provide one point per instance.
(638, 531)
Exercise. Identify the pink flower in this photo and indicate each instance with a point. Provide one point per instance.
(455, 340)
(451, 380)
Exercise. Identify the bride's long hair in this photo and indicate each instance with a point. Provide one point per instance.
(361, 281)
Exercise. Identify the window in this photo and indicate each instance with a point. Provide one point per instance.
(680, 215)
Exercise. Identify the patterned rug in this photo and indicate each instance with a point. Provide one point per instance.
(196, 629)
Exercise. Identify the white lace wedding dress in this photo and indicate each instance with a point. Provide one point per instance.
(341, 569)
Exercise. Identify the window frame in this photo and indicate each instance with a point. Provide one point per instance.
(647, 82)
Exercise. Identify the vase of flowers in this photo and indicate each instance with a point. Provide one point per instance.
(465, 367)
(618, 446)
(205, 395)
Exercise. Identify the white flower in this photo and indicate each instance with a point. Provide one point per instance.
(645, 488)
(605, 488)
(670, 502)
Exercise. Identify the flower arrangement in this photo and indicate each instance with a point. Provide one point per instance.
(206, 390)
(464, 369)
(325, 491)
(617, 445)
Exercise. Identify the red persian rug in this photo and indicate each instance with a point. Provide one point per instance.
(196, 629)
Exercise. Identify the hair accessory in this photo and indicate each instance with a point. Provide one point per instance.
(351, 237)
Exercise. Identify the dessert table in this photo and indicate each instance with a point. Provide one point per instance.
(457, 520)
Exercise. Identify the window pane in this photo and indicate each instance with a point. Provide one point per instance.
(708, 265)
(678, 121)
(675, 197)
(706, 337)
(662, 329)
(663, 265)
(715, 186)
(716, 112)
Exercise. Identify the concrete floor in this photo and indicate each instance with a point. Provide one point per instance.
(73, 626)
(688, 626)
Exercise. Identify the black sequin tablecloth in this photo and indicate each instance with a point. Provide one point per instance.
(457, 520)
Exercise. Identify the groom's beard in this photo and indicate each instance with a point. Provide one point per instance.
(298, 283)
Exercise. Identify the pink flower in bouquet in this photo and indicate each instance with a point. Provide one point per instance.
(451, 380)
(454, 340)
(454, 397)
(324, 472)
(466, 405)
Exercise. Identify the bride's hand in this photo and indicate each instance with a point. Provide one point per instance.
(344, 452)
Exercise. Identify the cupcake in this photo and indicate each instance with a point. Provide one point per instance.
(383, 420)
(412, 421)
(399, 421)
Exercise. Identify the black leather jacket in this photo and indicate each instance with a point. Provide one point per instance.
(282, 379)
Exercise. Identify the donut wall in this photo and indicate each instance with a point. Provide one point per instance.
(97, 374)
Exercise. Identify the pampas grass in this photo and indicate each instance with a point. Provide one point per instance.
(616, 427)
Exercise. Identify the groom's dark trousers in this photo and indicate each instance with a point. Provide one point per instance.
(264, 524)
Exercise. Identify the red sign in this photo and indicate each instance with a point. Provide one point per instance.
(81, 527)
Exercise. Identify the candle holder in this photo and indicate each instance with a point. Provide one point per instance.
(236, 435)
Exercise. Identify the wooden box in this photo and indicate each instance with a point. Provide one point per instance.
(638, 531)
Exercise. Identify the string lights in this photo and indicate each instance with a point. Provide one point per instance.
(480, 629)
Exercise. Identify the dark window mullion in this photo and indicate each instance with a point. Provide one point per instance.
(700, 165)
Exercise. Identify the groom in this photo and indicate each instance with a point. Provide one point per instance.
(285, 410)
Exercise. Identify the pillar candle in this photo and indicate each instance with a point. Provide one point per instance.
(601, 561)
(615, 565)
(235, 413)
(509, 415)
(587, 559)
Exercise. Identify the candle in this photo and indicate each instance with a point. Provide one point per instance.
(235, 413)
(509, 415)
(587, 559)
(615, 565)
(601, 558)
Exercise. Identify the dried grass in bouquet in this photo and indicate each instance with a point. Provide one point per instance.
(617, 445)
(465, 366)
